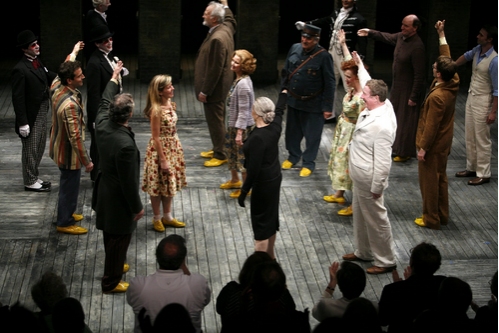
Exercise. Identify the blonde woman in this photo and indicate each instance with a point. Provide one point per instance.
(239, 103)
(164, 166)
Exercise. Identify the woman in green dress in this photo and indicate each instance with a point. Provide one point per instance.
(352, 107)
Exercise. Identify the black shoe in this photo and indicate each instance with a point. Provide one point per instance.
(46, 184)
(41, 189)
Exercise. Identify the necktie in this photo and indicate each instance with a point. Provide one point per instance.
(36, 63)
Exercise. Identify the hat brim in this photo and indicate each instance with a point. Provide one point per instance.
(104, 36)
(27, 43)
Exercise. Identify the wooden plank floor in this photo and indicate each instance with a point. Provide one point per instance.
(218, 231)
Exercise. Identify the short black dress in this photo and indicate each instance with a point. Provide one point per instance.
(264, 176)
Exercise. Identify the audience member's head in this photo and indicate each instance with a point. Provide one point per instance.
(20, 319)
(454, 295)
(361, 316)
(246, 274)
(173, 318)
(351, 280)
(47, 291)
(68, 316)
(446, 67)
(269, 282)
(425, 259)
(493, 285)
(171, 252)
(331, 324)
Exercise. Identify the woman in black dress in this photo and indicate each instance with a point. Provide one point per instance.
(263, 169)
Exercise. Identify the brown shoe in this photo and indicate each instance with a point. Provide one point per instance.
(351, 257)
(380, 270)
(478, 181)
(466, 173)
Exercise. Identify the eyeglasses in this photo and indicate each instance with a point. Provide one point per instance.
(32, 45)
(108, 40)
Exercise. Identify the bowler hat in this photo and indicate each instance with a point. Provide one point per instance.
(100, 32)
(25, 38)
(311, 31)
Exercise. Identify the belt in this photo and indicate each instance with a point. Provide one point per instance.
(305, 98)
(348, 120)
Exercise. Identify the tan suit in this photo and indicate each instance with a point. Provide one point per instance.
(369, 163)
(213, 77)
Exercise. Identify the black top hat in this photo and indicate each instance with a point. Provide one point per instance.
(311, 31)
(25, 38)
(99, 32)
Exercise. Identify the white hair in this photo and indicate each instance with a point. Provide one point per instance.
(264, 107)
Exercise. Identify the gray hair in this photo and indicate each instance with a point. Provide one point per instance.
(96, 3)
(121, 108)
(218, 11)
(264, 107)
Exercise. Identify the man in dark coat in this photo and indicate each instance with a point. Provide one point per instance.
(98, 73)
(309, 79)
(213, 77)
(94, 18)
(30, 98)
(407, 91)
(116, 198)
(350, 20)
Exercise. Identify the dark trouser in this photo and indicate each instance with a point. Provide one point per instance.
(94, 154)
(33, 147)
(434, 189)
(69, 188)
(215, 117)
(299, 125)
(116, 247)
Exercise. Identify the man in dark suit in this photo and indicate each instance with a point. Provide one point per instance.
(403, 300)
(30, 98)
(116, 198)
(98, 73)
(213, 77)
(94, 18)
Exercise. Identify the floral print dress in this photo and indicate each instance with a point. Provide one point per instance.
(155, 182)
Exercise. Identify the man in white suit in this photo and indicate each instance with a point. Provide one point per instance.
(370, 161)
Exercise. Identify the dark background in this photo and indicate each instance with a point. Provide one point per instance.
(123, 19)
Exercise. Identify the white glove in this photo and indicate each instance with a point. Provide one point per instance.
(300, 25)
(24, 130)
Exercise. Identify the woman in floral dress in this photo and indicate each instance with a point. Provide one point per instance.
(352, 107)
(164, 166)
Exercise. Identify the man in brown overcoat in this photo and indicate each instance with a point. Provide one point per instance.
(434, 137)
(213, 77)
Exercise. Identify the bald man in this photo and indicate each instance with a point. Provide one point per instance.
(408, 83)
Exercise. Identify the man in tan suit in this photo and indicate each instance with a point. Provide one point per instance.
(370, 163)
(434, 137)
(213, 77)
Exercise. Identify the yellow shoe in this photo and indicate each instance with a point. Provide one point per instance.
(346, 211)
(72, 230)
(214, 162)
(77, 217)
(173, 223)
(332, 198)
(401, 158)
(158, 225)
(126, 268)
(237, 193)
(207, 154)
(120, 288)
(229, 185)
(286, 165)
(305, 172)
(420, 222)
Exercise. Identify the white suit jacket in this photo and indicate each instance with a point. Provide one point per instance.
(371, 148)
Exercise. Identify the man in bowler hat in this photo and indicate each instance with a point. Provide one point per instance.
(30, 98)
(99, 70)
